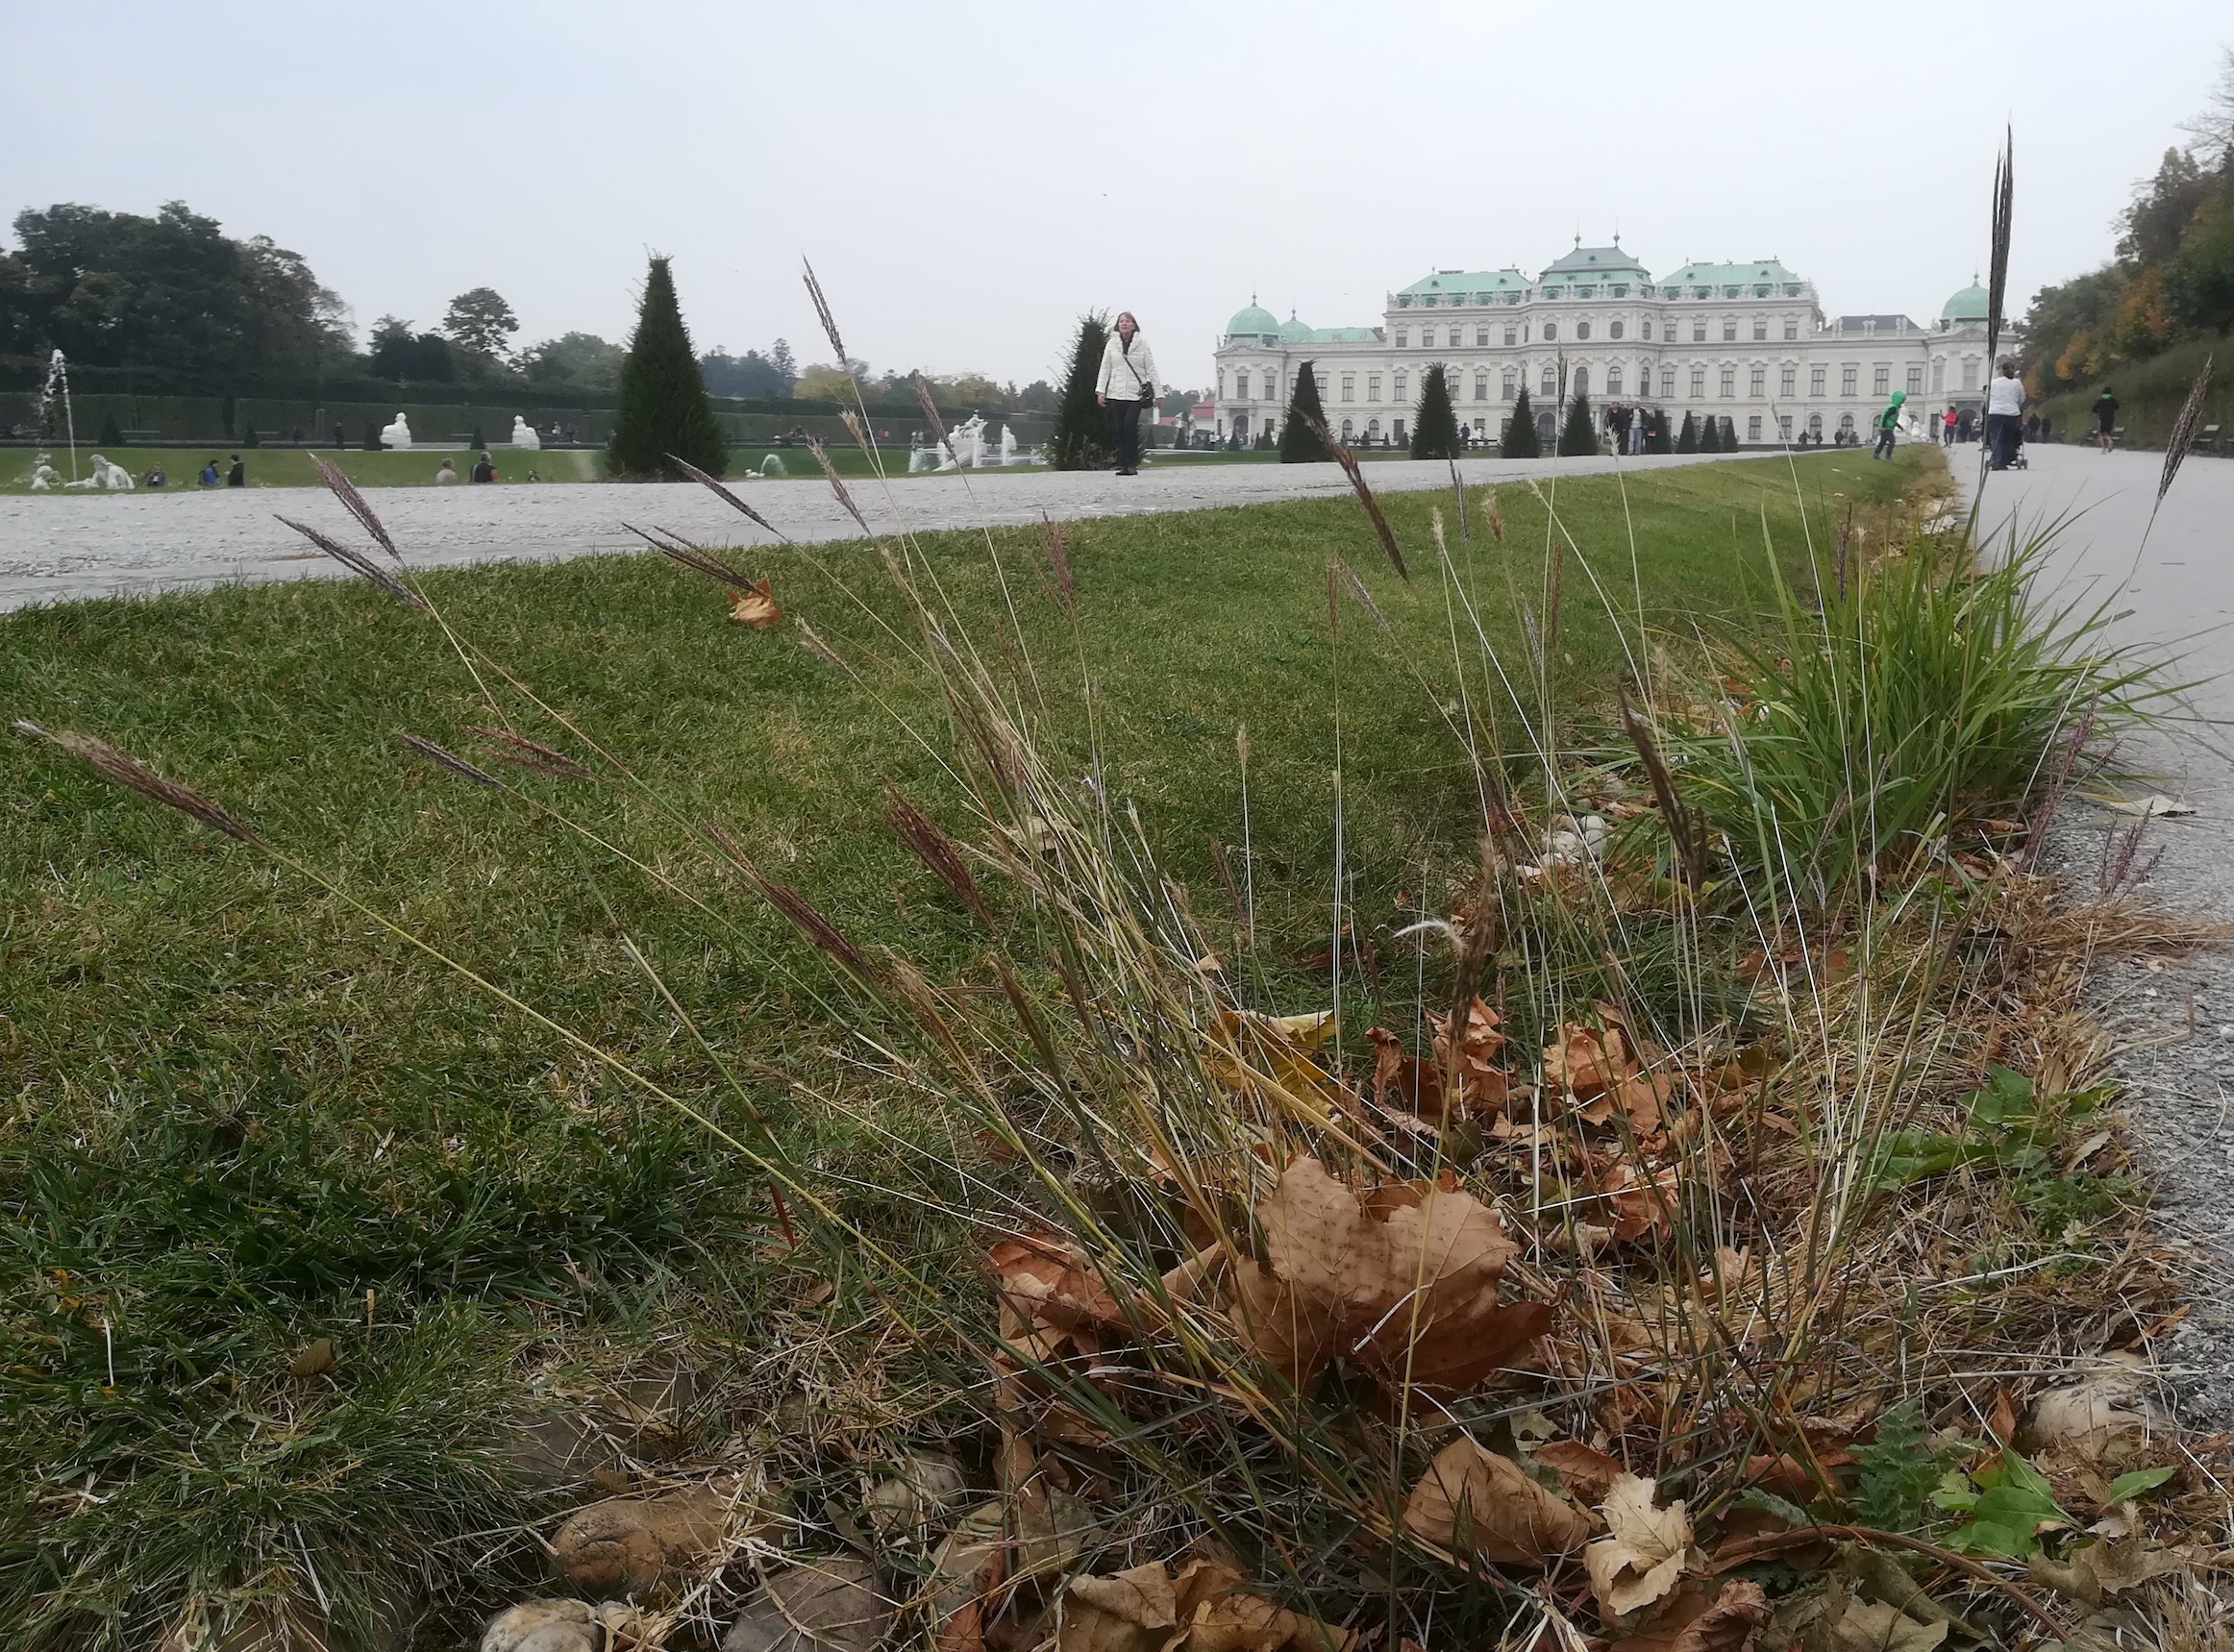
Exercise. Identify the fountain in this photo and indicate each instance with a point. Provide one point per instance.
(44, 474)
(773, 466)
(522, 435)
(965, 443)
(58, 387)
(397, 435)
(1008, 444)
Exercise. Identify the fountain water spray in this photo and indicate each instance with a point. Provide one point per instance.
(58, 384)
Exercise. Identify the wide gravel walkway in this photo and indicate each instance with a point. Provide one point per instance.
(56, 547)
(2173, 1025)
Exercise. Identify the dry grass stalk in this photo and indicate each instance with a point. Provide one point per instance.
(937, 850)
(2182, 439)
(1357, 586)
(1682, 831)
(1846, 536)
(680, 549)
(836, 484)
(1491, 514)
(830, 328)
(354, 504)
(135, 776)
(1458, 492)
(450, 761)
(1348, 460)
(1058, 561)
(1997, 275)
(853, 428)
(795, 906)
(533, 754)
(356, 562)
(705, 481)
(813, 642)
(930, 413)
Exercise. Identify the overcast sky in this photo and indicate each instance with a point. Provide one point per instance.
(967, 178)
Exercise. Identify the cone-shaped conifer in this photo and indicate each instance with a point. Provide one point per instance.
(1729, 435)
(1082, 439)
(1710, 434)
(663, 408)
(1520, 439)
(1687, 440)
(1579, 436)
(1298, 431)
(1656, 434)
(1434, 426)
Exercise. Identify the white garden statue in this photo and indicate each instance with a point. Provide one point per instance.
(967, 443)
(397, 434)
(44, 474)
(1007, 444)
(103, 475)
(522, 435)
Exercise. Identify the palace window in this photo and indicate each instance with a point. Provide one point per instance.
(1848, 378)
(1815, 426)
(1667, 383)
(1730, 329)
(1783, 427)
(1881, 378)
(1613, 381)
(1221, 383)
(1846, 424)
(1760, 327)
(1938, 376)
(1481, 386)
(1241, 385)
(1791, 329)
(1916, 381)
(1757, 381)
(1698, 331)
(1787, 379)
(1373, 386)
(1582, 380)
(1969, 372)
(1551, 331)
(1586, 292)
(1582, 329)
(1613, 329)
(1512, 336)
(1512, 385)
(1349, 394)
(1620, 289)
(1698, 383)
(1347, 431)
(1402, 380)
(1547, 383)
(1729, 380)
(1403, 338)
(1753, 429)
(1481, 337)
(1815, 379)
(1372, 430)
(1648, 329)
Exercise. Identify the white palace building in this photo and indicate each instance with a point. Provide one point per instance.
(1746, 341)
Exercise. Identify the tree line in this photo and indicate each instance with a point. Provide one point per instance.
(2173, 275)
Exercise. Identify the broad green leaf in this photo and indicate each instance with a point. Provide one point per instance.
(2009, 1511)
(2139, 1481)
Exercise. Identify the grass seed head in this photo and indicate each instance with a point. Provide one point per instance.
(135, 776)
(354, 504)
(705, 481)
(450, 761)
(358, 562)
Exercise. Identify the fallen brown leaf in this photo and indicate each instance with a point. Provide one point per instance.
(1470, 1500)
(1587, 1473)
(1642, 1555)
(754, 606)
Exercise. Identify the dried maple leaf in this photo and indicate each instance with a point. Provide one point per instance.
(1642, 1555)
(1404, 1282)
(1416, 1086)
(1202, 1609)
(754, 606)
(1587, 1473)
(1270, 1056)
(1585, 1063)
(1483, 1087)
(1051, 1283)
(1730, 1624)
(1473, 1501)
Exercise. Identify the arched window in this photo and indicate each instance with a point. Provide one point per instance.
(1548, 383)
(1547, 427)
(1551, 331)
(1348, 431)
(1613, 381)
(1815, 426)
(1846, 424)
(1783, 427)
(1372, 430)
(1648, 329)
(1582, 380)
(1613, 329)
(1582, 329)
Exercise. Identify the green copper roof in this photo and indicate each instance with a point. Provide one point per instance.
(1968, 304)
(1294, 331)
(1254, 322)
(1345, 335)
(1729, 275)
(1456, 286)
(1587, 261)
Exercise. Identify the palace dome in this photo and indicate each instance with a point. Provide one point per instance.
(1294, 331)
(1254, 323)
(1968, 304)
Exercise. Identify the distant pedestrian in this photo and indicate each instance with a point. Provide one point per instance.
(209, 477)
(2106, 419)
(155, 476)
(2004, 414)
(1126, 387)
(445, 474)
(340, 440)
(484, 470)
(298, 435)
(1947, 426)
(1888, 425)
(238, 475)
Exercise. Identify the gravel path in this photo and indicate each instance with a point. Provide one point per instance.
(2173, 1025)
(54, 547)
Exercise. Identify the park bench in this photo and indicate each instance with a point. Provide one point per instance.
(2208, 437)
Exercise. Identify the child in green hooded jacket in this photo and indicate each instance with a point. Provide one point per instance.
(1888, 425)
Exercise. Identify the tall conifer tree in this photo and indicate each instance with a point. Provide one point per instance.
(1298, 431)
(1579, 436)
(1081, 440)
(1709, 435)
(663, 408)
(1687, 440)
(1434, 426)
(1656, 434)
(1520, 439)
(1729, 435)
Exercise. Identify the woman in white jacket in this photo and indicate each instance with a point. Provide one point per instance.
(1127, 384)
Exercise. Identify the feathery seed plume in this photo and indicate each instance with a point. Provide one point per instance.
(698, 476)
(357, 561)
(135, 776)
(822, 313)
(836, 486)
(450, 761)
(354, 504)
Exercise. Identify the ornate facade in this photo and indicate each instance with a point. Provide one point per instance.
(1744, 341)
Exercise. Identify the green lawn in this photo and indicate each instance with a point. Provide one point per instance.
(290, 467)
(232, 1107)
